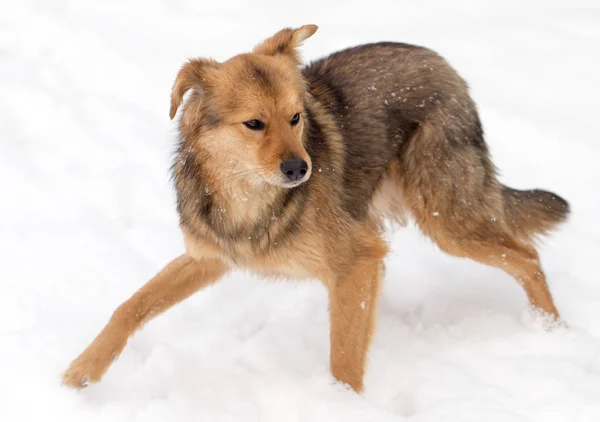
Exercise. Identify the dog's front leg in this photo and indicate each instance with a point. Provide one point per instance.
(178, 280)
(352, 308)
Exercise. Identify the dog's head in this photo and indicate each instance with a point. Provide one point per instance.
(247, 113)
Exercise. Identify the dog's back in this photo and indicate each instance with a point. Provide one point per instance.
(379, 94)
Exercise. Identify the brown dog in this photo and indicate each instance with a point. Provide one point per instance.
(290, 172)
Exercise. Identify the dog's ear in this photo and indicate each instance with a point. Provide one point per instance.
(285, 42)
(192, 75)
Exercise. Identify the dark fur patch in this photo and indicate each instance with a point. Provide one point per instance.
(281, 48)
(212, 120)
(341, 82)
(262, 77)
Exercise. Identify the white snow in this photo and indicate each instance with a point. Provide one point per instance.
(87, 216)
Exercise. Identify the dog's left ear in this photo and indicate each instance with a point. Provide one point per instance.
(285, 42)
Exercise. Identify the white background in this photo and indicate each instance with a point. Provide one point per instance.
(87, 215)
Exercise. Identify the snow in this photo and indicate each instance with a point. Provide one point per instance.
(88, 216)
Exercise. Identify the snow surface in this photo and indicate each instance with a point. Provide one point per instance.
(88, 215)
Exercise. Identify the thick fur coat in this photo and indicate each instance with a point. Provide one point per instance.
(290, 172)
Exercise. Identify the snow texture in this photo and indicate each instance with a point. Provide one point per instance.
(88, 216)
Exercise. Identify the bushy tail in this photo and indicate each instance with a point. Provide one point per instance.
(534, 212)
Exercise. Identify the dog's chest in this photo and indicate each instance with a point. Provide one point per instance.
(273, 261)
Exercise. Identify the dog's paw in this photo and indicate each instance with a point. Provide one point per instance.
(553, 324)
(539, 319)
(73, 380)
(84, 371)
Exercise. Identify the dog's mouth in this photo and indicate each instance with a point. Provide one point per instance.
(288, 184)
(293, 184)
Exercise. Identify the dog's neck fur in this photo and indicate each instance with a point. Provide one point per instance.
(242, 202)
(230, 206)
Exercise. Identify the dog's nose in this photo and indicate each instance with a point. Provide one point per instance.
(294, 169)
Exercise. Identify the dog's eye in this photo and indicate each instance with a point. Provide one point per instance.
(254, 124)
(295, 119)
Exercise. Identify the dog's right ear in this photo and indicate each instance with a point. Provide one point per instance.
(192, 75)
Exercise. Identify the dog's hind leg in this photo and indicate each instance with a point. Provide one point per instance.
(450, 187)
(352, 308)
(518, 260)
(177, 281)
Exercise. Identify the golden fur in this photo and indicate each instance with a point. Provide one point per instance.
(384, 130)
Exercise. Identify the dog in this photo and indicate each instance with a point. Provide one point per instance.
(290, 172)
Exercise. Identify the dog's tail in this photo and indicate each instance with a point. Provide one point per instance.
(532, 213)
